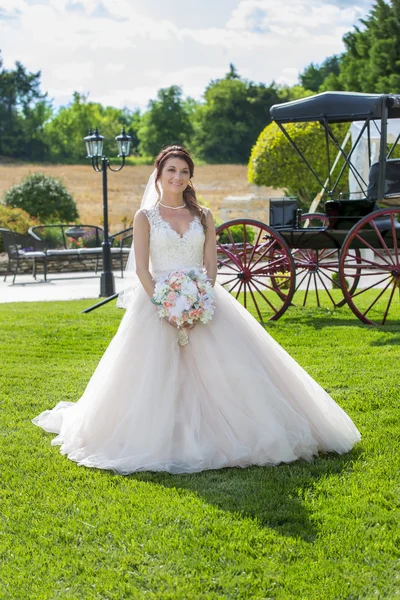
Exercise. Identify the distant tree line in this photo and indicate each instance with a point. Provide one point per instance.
(222, 128)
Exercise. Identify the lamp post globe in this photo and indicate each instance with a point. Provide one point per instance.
(94, 149)
(124, 143)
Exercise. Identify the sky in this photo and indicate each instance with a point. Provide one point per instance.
(121, 52)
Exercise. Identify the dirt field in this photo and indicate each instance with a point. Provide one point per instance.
(212, 182)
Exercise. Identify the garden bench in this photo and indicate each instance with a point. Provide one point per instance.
(63, 241)
(21, 247)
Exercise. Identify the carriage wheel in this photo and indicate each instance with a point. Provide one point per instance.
(378, 234)
(249, 254)
(318, 270)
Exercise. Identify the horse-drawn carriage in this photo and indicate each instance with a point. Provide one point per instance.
(348, 254)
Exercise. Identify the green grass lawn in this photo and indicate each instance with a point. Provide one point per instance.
(325, 530)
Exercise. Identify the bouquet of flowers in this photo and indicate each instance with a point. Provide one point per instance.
(184, 297)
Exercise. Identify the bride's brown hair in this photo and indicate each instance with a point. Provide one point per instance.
(189, 194)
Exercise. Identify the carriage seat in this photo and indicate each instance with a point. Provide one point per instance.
(392, 182)
(283, 212)
(343, 214)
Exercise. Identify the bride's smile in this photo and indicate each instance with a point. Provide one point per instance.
(174, 180)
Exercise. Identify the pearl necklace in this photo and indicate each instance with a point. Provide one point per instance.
(172, 207)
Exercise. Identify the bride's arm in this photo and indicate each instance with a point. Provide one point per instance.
(141, 236)
(210, 249)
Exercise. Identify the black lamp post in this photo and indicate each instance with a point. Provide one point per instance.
(94, 148)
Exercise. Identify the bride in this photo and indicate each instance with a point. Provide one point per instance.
(231, 397)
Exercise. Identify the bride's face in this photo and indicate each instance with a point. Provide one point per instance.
(175, 175)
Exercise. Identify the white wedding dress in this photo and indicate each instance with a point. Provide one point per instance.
(231, 397)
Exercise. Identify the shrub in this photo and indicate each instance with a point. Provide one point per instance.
(273, 162)
(15, 219)
(237, 235)
(43, 197)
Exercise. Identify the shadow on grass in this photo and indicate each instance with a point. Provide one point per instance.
(273, 496)
(317, 320)
(389, 341)
(320, 318)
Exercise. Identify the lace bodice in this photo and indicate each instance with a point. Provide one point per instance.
(169, 251)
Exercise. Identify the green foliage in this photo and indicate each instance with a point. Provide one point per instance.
(294, 92)
(23, 113)
(371, 61)
(324, 530)
(67, 129)
(233, 114)
(167, 121)
(314, 76)
(273, 161)
(15, 219)
(52, 236)
(237, 235)
(43, 197)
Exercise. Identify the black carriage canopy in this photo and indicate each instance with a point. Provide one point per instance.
(339, 107)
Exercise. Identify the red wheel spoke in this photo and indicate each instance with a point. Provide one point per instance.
(255, 303)
(327, 291)
(358, 236)
(382, 241)
(265, 285)
(316, 290)
(232, 240)
(394, 234)
(270, 264)
(328, 255)
(381, 269)
(265, 298)
(259, 252)
(260, 231)
(264, 253)
(371, 286)
(370, 263)
(389, 303)
(244, 247)
(279, 275)
(228, 265)
(279, 285)
(308, 285)
(233, 287)
(238, 292)
(230, 281)
(365, 274)
(232, 257)
(299, 284)
(305, 256)
(334, 283)
(376, 299)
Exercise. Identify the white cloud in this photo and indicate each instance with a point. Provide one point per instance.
(123, 53)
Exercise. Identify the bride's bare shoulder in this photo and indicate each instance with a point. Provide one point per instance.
(207, 212)
(141, 219)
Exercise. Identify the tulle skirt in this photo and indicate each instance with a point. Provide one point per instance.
(231, 397)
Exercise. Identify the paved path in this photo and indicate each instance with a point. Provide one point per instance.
(58, 287)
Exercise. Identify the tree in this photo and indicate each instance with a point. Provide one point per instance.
(314, 76)
(274, 163)
(23, 112)
(371, 62)
(232, 116)
(166, 121)
(67, 129)
(43, 197)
